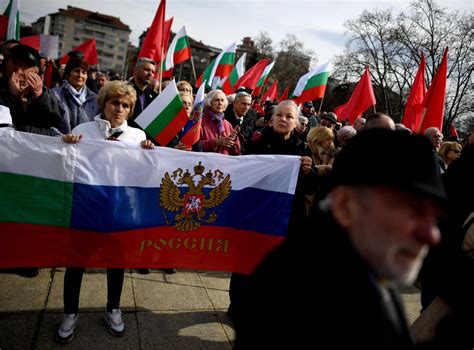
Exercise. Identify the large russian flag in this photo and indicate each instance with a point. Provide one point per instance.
(111, 204)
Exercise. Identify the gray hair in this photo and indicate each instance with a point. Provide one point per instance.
(212, 95)
(242, 94)
(346, 132)
(143, 60)
(292, 104)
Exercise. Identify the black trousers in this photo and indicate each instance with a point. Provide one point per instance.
(72, 288)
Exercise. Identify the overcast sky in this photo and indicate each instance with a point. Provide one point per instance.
(318, 23)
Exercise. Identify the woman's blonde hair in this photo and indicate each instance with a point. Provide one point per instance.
(447, 147)
(115, 89)
(317, 135)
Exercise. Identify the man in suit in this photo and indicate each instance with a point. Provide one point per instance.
(370, 234)
(239, 113)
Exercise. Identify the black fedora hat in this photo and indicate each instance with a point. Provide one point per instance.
(389, 158)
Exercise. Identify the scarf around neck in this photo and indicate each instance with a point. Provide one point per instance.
(78, 96)
(220, 120)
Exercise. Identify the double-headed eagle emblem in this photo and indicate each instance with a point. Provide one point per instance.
(194, 201)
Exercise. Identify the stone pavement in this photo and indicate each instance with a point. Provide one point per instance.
(186, 310)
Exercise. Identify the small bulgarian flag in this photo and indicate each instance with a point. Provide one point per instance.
(165, 116)
(312, 85)
(219, 68)
(263, 79)
(237, 72)
(178, 52)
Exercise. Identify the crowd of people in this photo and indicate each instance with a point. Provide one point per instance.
(366, 208)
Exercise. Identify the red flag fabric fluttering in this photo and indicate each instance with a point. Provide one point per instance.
(33, 41)
(285, 94)
(361, 99)
(271, 94)
(154, 40)
(414, 107)
(89, 50)
(433, 104)
(250, 78)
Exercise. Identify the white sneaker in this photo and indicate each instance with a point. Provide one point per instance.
(115, 322)
(65, 332)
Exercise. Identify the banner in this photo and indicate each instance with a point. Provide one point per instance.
(112, 204)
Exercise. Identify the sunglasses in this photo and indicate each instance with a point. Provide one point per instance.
(456, 151)
(327, 125)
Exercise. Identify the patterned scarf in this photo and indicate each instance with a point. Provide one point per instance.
(220, 120)
(78, 96)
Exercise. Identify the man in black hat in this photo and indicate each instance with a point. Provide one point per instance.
(329, 120)
(32, 106)
(370, 234)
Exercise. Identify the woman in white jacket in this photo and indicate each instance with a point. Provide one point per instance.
(116, 101)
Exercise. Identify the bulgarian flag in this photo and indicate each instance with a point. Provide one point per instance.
(191, 132)
(219, 68)
(312, 85)
(12, 17)
(179, 51)
(237, 72)
(165, 116)
(263, 79)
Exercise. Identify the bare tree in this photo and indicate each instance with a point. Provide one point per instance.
(292, 61)
(392, 48)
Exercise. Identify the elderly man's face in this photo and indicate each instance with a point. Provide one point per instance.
(242, 105)
(392, 230)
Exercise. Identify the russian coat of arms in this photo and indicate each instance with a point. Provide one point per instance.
(193, 203)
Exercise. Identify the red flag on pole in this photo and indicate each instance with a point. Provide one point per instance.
(285, 94)
(414, 107)
(154, 41)
(271, 94)
(89, 50)
(3, 27)
(361, 99)
(433, 102)
(251, 77)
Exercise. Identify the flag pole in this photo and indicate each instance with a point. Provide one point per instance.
(194, 71)
(161, 69)
(375, 111)
(321, 106)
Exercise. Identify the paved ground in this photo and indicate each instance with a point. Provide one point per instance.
(185, 310)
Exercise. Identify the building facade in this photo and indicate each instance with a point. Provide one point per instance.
(74, 26)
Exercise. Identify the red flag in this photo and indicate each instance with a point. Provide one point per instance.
(48, 75)
(414, 107)
(433, 103)
(285, 94)
(3, 27)
(362, 98)
(452, 130)
(89, 50)
(32, 41)
(251, 77)
(154, 41)
(271, 94)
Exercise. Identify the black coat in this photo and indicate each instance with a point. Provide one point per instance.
(344, 309)
(248, 124)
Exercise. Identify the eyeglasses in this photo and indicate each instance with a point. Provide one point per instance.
(327, 125)
(456, 151)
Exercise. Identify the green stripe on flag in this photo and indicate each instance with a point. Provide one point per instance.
(165, 117)
(181, 44)
(33, 200)
(316, 80)
(227, 58)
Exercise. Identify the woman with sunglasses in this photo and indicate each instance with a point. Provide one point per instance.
(449, 151)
